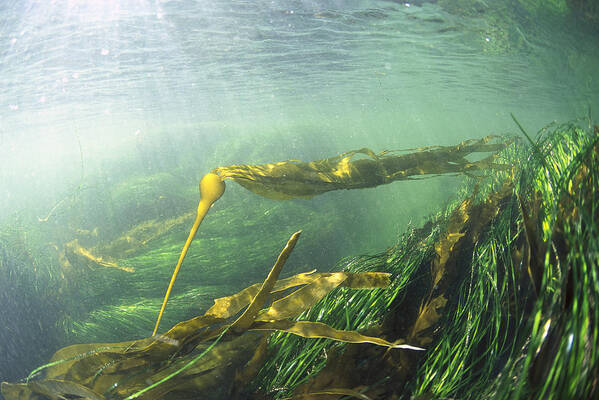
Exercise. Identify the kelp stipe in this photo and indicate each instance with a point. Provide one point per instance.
(211, 189)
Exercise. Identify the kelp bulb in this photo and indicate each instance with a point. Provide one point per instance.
(212, 188)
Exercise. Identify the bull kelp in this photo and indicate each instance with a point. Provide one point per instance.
(290, 179)
(494, 297)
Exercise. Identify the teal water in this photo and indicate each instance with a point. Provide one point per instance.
(98, 95)
(362, 73)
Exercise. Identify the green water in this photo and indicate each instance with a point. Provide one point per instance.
(110, 113)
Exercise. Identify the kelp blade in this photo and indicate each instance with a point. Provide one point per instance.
(296, 179)
(95, 371)
(316, 330)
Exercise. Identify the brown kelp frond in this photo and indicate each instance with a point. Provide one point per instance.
(136, 238)
(249, 316)
(315, 330)
(168, 362)
(465, 225)
(74, 253)
(536, 248)
(297, 179)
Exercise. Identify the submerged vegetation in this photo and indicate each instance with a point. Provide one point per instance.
(501, 290)
(24, 290)
(120, 370)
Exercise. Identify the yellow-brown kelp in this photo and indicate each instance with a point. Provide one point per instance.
(74, 250)
(211, 189)
(166, 367)
(295, 179)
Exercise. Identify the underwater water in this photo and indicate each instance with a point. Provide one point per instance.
(112, 111)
